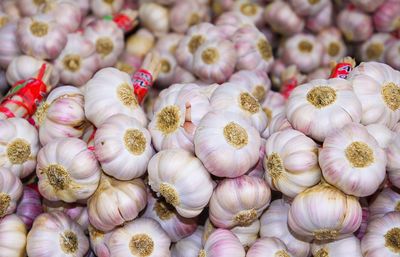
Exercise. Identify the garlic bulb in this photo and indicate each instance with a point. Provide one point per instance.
(61, 115)
(185, 14)
(4, 19)
(140, 43)
(83, 5)
(247, 234)
(128, 63)
(10, 7)
(367, 5)
(334, 214)
(250, 9)
(228, 23)
(108, 40)
(222, 243)
(290, 169)
(382, 236)
(334, 47)
(377, 86)
(253, 49)
(168, 65)
(9, 48)
(29, 207)
(10, 192)
(188, 246)
(258, 169)
(55, 234)
(98, 241)
(12, 236)
(306, 7)
(101, 8)
(392, 56)
(257, 82)
(374, 48)
(182, 75)
(239, 201)
(273, 105)
(386, 18)
(382, 134)
(349, 246)
(393, 164)
(18, 154)
(226, 144)
(155, 18)
(274, 224)
(320, 73)
(386, 201)
(169, 42)
(176, 226)
(304, 51)
(355, 25)
(123, 147)
(322, 19)
(282, 18)
(76, 212)
(329, 104)
(41, 36)
(31, 7)
(138, 238)
(124, 200)
(188, 194)
(110, 92)
(268, 247)
(67, 170)
(77, 62)
(67, 13)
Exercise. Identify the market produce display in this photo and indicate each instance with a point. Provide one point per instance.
(200, 128)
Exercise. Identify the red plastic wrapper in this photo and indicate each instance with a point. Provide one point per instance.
(126, 20)
(341, 70)
(142, 81)
(288, 87)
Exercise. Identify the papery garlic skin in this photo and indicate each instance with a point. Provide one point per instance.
(239, 201)
(257, 82)
(247, 234)
(393, 164)
(335, 216)
(188, 194)
(76, 212)
(377, 86)
(274, 224)
(226, 144)
(375, 47)
(305, 7)
(258, 170)
(67, 13)
(67, 170)
(98, 241)
(222, 243)
(381, 237)
(169, 42)
(110, 92)
(30, 7)
(386, 18)
(228, 23)
(10, 192)
(278, 123)
(10, 8)
(182, 75)
(355, 25)
(250, 9)
(329, 104)
(367, 5)
(382, 134)
(282, 18)
(9, 48)
(392, 56)
(323, 19)
(124, 199)
(273, 105)
(185, 14)
(334, 47)
(349, 246)
(320, 73)
(29, 207)
(12, 236)
(55, 234)
(141, 237)
(154, 17)
(387, 201)
(268, 247)
(188, 246)
(140, 43)
(101, 8)
(21, 148)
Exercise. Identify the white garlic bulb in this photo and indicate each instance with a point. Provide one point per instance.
(247, 234)
(67, 13)
(123, 199)
(10, 192)
(377, 86)
(329, 104)
(168, 65)
(67, 170)
(308, 7)
(155, 18)
(349, 246)
(227, 144)
(283, 19)
(31, 7)
(375, 47)
(138, 238)
(367, 6)
(229, 22)
(222, 243)
(256, 82)
(393, 164)
(55, 234)
(110, 92)
(239, 201)
(277, 123)
(140, 43)
(258, 169)
(188, 194)
(382, 134)
(18, 154)
(169, 42)
(322, 19)
(356, 26)
(188, 246)
(77, 212)
(9, 48)
(12, 236)
(392, 56)
(387, 201)
(334, 47)
(268, 247)
(185, 14)
(250, 9)
(98, 241)
(273, 105)
(123, 147)
(101, 8)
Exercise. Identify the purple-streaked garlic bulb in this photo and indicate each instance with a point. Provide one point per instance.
(334, 47)
(140, 237)
(273, 105)
(177, 114)
(278, 67)
(352, 160)
(67, 170)
(9, 48)
(116, 202)
(155, 18)
(303, 50)
(382, 134)
(128, 63)
(375, 47)
(349, 246)
(29, 207)
(329, 104)
(269, 247)
(41, 36)
(10, 7)
(77, 212)
(308, 7)
(56, 234)
(123, 147)
(20, 148)
(227, 144)
(98, 241)
(257, 82)
(367, 5)
(67, 13)
(393, 165)
(140, 43)
(82, 4)
(101, 8)
(387, 201)
(176, 226)
(78, 60)
(61, 115)
(387, 16)
(377, 86)
(283, 19)
(277, 123)
(274, 224)
(250, 9)
(167, 71)
(31, 7)
(12, 236)
(168, 43)
(11, 190)
(323, 212)
(230, 98)
(110, 92)
(188, 194)
(258, 170)
(322, 19)
(182, 75)
(185, 14)
(247, 234)
(392, 56)
(239, 201)
(188, 246)
(253, 49)
(228, 23)
(108, 40)
(222, 243)
(355, 25)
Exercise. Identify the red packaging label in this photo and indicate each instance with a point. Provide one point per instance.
(142, 80)
(341, 70)
(288, 87)
(90, 141)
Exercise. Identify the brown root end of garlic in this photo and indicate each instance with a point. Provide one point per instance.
(321, 96)
(18, 151)
(397, 208)
(248, 9)
(392, 240)
(168, 119)
(249, 103)
(265, 49)
(57, 176)
(95, 233)
(326, 234)
(275, 167)
(202, 253)
(69, 242)
(305, 46)
(72, 62)
(39, 29)
(126, 96)
(165, 66)
(259, 93)
(281, 253)
(391, 95)
(210, 55)
(5, 200)
(3, 21)
(359, 154)
(41, 112)
(104, 46)
(246, 217)
(194, 19)
(333, 49)
(141, 245)
(322, 253)
(268, 113)
(374, 51)
(312, 2)
(110, 2)
(135, 141)
(235, 135)
(195, 42)
(163, 210)
(169, 193)
(125, 67)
